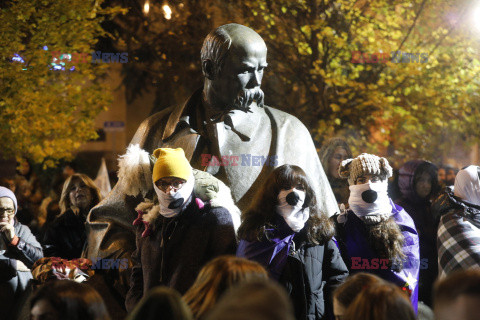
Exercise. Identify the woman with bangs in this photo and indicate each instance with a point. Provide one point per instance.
(66, 236)
(284, 231)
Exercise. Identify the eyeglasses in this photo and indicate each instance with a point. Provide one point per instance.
(175, 184)
(7, 211)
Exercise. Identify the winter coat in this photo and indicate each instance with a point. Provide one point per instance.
(419, 210)
(66, 236)
(352, 239)
(13, 283)
(458, 234)
(172, 251)
(310, 275)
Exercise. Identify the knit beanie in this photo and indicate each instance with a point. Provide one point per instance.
(5, 192)
(171, 163)
(364, 164)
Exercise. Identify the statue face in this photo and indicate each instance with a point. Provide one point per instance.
(238, 82)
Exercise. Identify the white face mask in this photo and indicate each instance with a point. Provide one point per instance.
(370, 198)
(172, 203)
(290, 208)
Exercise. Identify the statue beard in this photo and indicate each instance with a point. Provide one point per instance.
(246, 97)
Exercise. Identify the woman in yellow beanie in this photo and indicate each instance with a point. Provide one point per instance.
(178, 235)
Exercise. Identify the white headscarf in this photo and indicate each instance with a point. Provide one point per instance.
(467, 185)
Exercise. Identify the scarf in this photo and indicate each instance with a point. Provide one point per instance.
(370, 201)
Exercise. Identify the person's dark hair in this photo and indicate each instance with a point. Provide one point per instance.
(349, 290)
(432, 171)
(72, 300)
(328, 149)
(161, 303)
(464, 282)
(383, 301)
(65, 203)
(261, 214)
(216, 277)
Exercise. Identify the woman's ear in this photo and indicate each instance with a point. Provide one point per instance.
(344, 169)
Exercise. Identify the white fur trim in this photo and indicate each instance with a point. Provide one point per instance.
(135, 174)
(224, 199)
(150, 210)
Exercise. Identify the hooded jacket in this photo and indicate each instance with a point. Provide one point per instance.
(420, 211)
(458, 238)
(171, 251)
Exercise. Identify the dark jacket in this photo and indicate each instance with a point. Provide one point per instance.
(420, 211)
(310, 275)
(13, 283)
(177, 248)
(359, 256)
(66, 236)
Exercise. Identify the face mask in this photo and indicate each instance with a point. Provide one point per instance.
(290, 208)
(172, 203)
(370, 199)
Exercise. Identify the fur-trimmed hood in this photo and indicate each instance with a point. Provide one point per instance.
(135, 177)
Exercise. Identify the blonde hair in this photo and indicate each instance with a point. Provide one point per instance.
(65, 203)
(216, 277)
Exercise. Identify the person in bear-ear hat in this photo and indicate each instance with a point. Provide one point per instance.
(376, 235)
(176, 233)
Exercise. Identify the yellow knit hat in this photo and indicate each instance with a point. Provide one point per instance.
(171, 163)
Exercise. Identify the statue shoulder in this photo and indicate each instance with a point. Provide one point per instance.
(152, 128)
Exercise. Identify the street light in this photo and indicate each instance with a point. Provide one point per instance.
(475, 17)
(146, 7)
(167, 11)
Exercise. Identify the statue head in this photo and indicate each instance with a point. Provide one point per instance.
(233, 60)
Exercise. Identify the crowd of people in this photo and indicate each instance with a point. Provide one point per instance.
(392, 252)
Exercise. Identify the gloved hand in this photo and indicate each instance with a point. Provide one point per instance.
(8, 230)
(21, 266)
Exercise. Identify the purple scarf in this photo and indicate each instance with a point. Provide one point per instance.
(272, 253)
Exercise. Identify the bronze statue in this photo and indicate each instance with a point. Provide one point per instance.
(225, 120)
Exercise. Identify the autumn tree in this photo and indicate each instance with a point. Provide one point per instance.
(164, 41)
(417, 109)
(47, 111)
